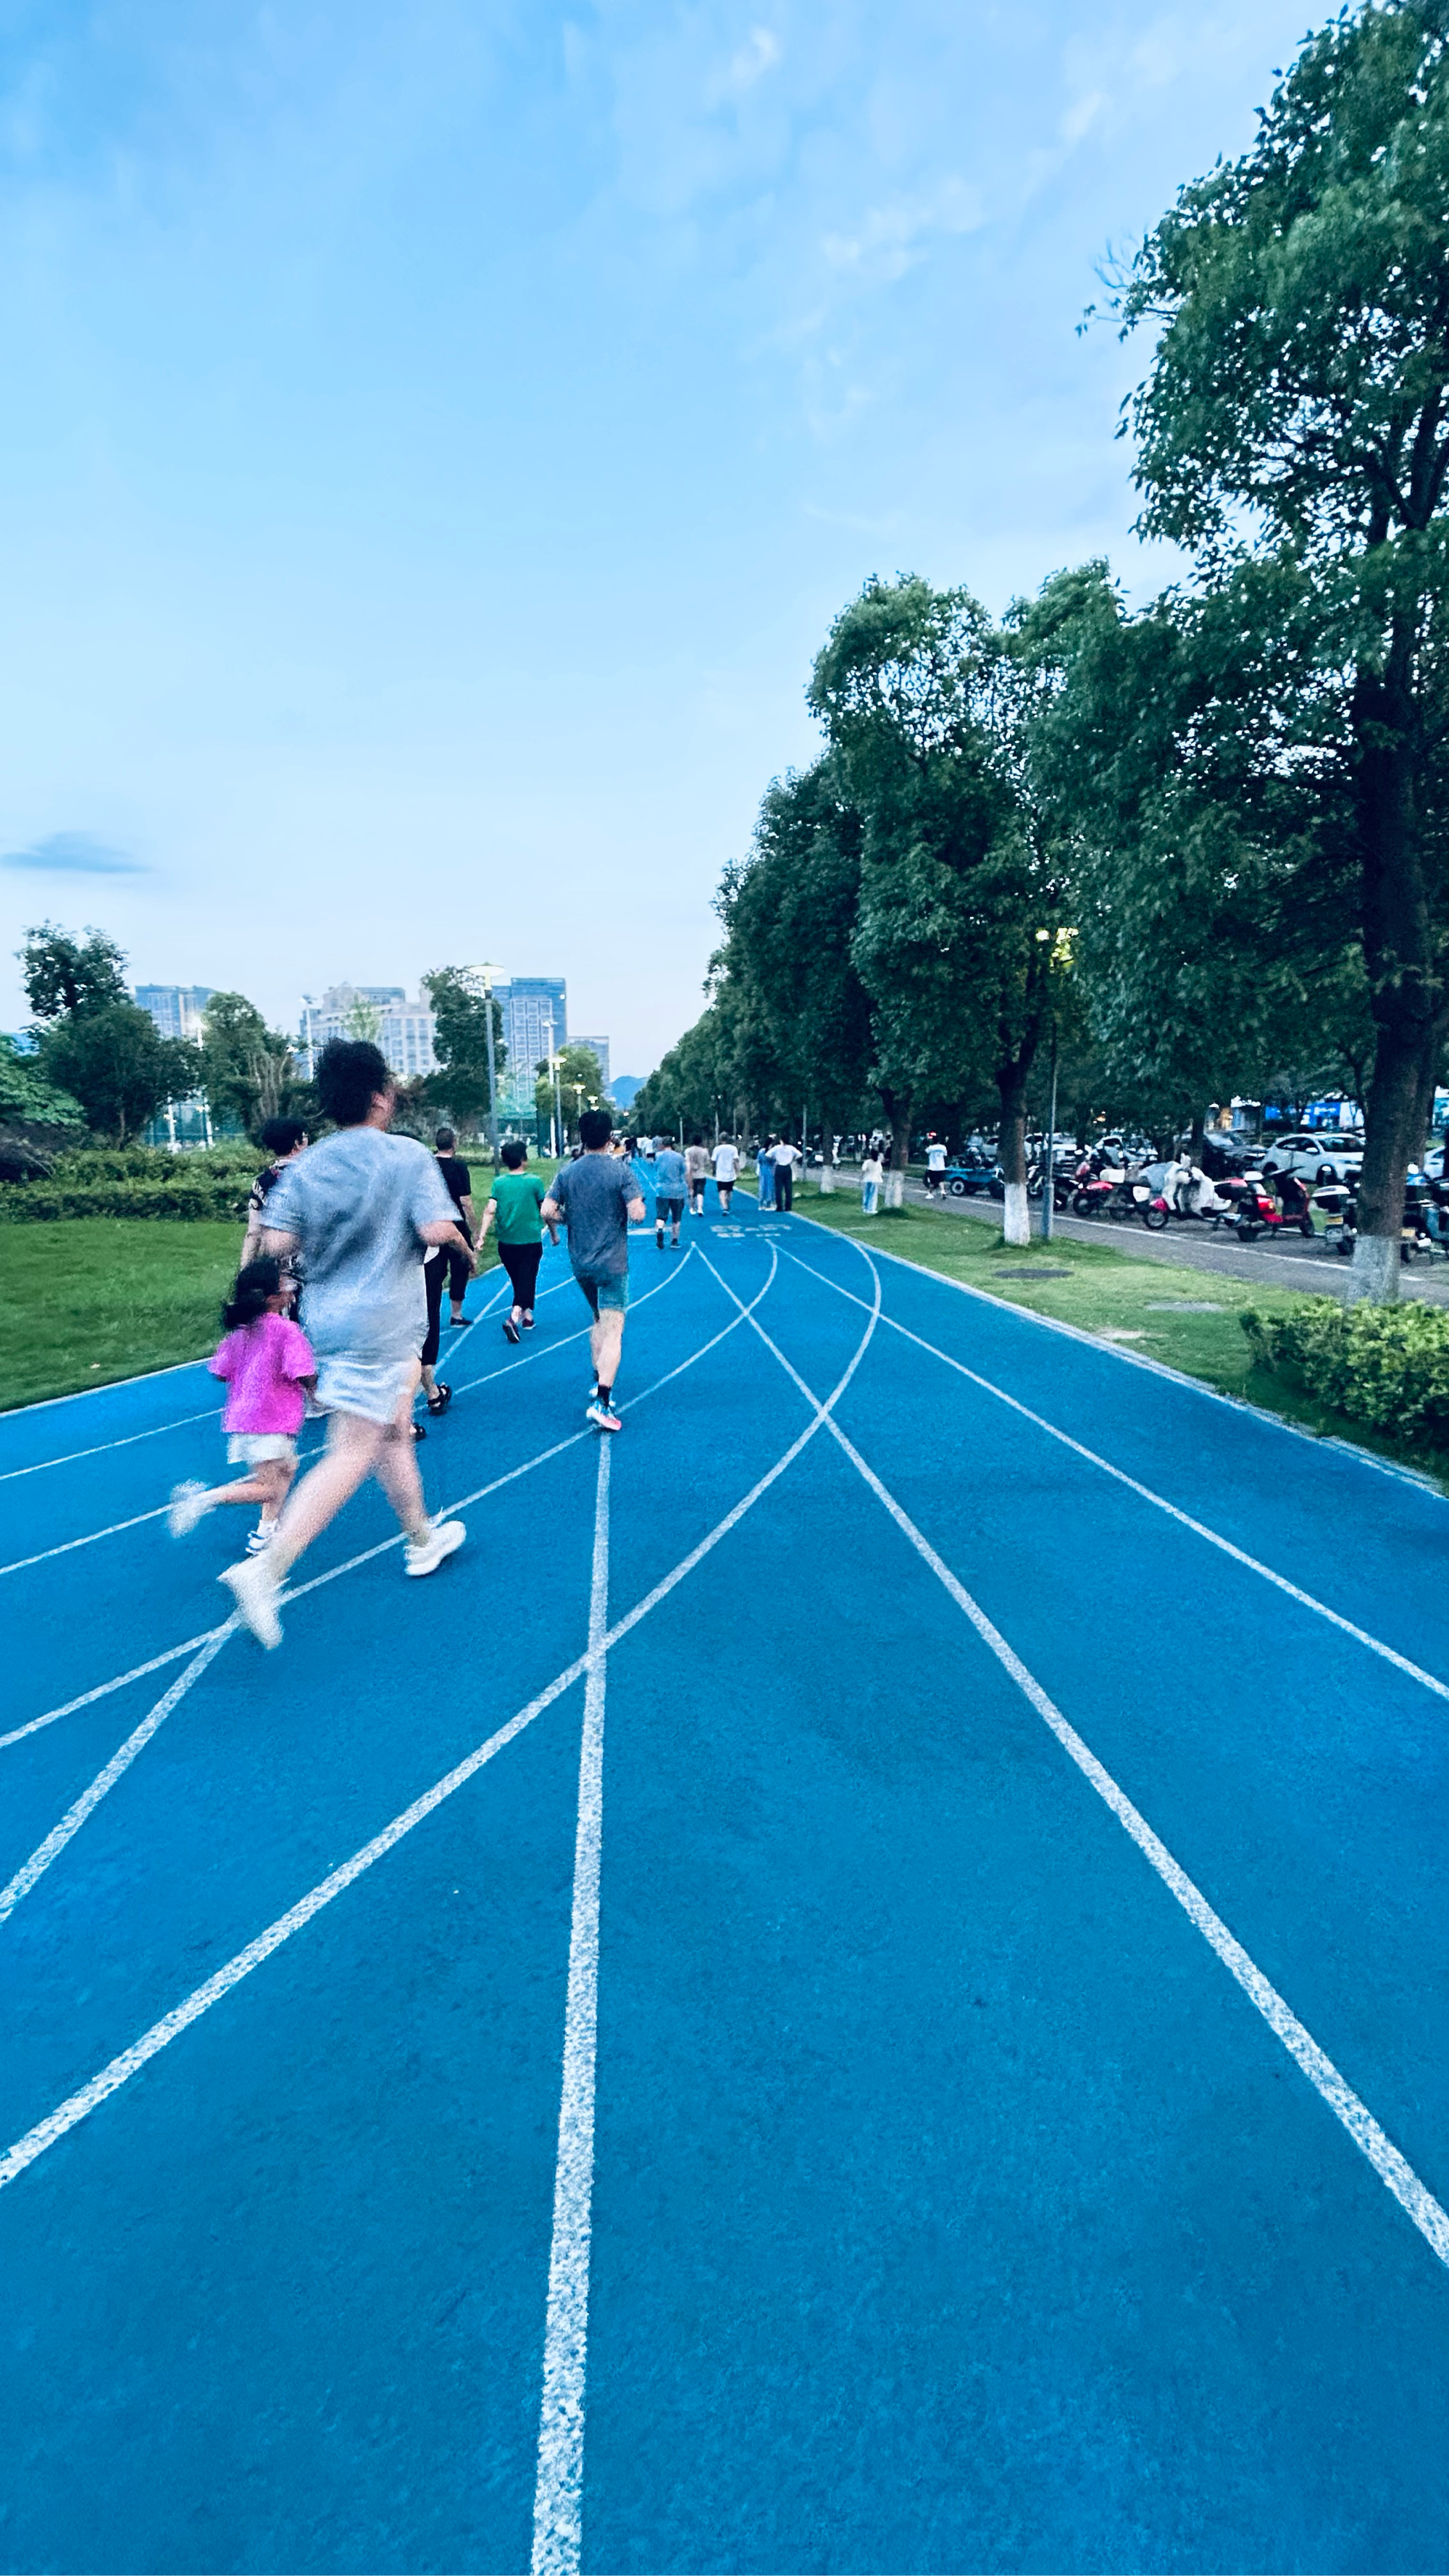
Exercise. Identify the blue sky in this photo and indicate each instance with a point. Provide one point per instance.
(438, 438)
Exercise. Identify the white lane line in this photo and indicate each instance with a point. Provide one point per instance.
(125, 1754)
(1392, 2168)
(173, 1654)
(558, 2490)
(68, 2114)
(1159, 1502)
(104, 1781)
(209, 1413)
(67, 1546)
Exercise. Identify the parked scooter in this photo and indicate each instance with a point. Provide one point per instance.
(1260, 1211)
(1116, 1193)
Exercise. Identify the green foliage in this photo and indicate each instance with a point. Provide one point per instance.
(136, 1181)
(62, 974)
(696, 1079)
(111, 1059)
(245, 1067)
(461, 1013)
(580, 1086)
(1385, 1366)
(25, 1093)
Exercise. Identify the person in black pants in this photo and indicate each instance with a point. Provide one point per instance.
(459, 1183)
(785, 1158)
(445, 1266)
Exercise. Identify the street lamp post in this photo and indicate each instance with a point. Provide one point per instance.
(1048, 1196)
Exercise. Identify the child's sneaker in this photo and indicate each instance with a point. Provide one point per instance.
(188, 1506)
(260, 1539)
(254, 1588)
(424, 1555)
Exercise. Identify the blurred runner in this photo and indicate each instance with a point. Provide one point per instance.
(671, 1182)
(360, 1206)
(696, 1164)
(726, 1172)
(596, 1197)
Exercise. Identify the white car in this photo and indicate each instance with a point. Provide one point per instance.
(1316, 1154)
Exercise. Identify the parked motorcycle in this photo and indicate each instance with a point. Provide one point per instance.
(1117, 1194)
(1259, 1211)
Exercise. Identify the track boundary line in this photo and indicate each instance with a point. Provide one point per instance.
(1353, 2115)
(127, 1440)
(78, 2106)
(558, 2489)
(1200, 1529)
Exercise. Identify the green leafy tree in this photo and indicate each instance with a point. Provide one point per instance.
(26, 1098)
(461, 1012)
(246, 1068)
(1297, 411)
(111, 1059)
(62, 974)
(580, 1086)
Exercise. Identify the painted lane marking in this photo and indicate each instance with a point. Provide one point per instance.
(66, 1547)
(67, 2115)
(173, 1654)
(558, 2491)
(210, 1413)
(105, 1780)
(120, 1762)
(1214, 1538)
(1392, 2168)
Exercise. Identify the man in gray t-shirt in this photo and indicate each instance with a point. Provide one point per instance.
(361, 1206)
(595, 1198)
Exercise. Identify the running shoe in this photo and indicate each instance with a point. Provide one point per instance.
(459, 1323)
(260, 1539)
(528, 1323)
(602, 1416)
(188, 1506)
(511, 1332)
(424, 1555)
(254, 1588)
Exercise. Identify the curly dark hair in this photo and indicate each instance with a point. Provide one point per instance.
(253, 1285)
(349, 1072)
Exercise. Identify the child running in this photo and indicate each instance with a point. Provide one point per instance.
(266, 1365)
(517, 1198)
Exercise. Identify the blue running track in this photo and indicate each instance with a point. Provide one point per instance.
(857, 1984)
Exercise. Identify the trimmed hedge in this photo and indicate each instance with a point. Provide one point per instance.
(136, 1181)
(1386, 1366)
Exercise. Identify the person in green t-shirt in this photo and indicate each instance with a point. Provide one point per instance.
(514, 1208)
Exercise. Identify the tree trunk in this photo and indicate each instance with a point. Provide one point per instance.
(1404, 990)
(898, 1111)
(1016, 1222)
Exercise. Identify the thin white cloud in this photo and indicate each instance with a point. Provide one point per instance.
(759, 54)
(892, 238)
(76, 854)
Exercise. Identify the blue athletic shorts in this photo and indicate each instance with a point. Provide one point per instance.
(606, 1290)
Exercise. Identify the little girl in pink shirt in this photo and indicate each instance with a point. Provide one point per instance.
(267, 1364)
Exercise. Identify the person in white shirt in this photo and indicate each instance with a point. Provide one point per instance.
(726, 1173)
(872, 1173)
(785, 1157)
(696, 1166)
(935, 1167)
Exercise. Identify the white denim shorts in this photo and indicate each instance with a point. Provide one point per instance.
(254, 1448)
(374, 1388)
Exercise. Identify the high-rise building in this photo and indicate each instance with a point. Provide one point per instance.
(404, 1029)
(535, 1025)
(177, 1009)
(601, 1049)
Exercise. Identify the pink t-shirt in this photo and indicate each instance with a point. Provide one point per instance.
(261, 1364)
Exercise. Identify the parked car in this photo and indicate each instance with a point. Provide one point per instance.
(1315, 1155)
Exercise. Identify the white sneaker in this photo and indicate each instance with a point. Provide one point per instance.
(424, 1555)
(188, 1506)
(254, 1587)
(260, 1539)
(603, 1416)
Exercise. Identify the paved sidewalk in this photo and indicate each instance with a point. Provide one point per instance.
(1293, 1263)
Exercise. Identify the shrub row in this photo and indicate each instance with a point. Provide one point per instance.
(36, 1202)
(1387, 1366)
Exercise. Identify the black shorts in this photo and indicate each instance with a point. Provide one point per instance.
(668, 1211)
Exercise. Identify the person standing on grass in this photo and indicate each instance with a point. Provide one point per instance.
(266, 1366)
(284, 1139)
(596, 1198)
(765, 1169)
(726, 1173)
(360, 1206)
(696, 1164)
(786, 1156)
(671, 1183)
(872, 1173)
(516, 1209)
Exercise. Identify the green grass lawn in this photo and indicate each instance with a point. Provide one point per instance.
(92, 1299)
(1142, 1306)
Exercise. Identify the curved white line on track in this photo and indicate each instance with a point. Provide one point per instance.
(1159, 1502)
(125, 1754)
(1392, 2168)
(128, 1439)
(68, 2114)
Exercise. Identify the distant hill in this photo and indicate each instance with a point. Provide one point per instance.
(624, 1089)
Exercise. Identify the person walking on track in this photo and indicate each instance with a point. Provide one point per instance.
(596, 1198)
(786, 1156)
(514, 1207)
(765, 1172)
(459, 1183)
(284, 1139)
(671, 1182)
(726, 1172)
(696, 1164)
(360, 1206)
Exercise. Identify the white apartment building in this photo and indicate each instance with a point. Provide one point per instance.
(404, 1029)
